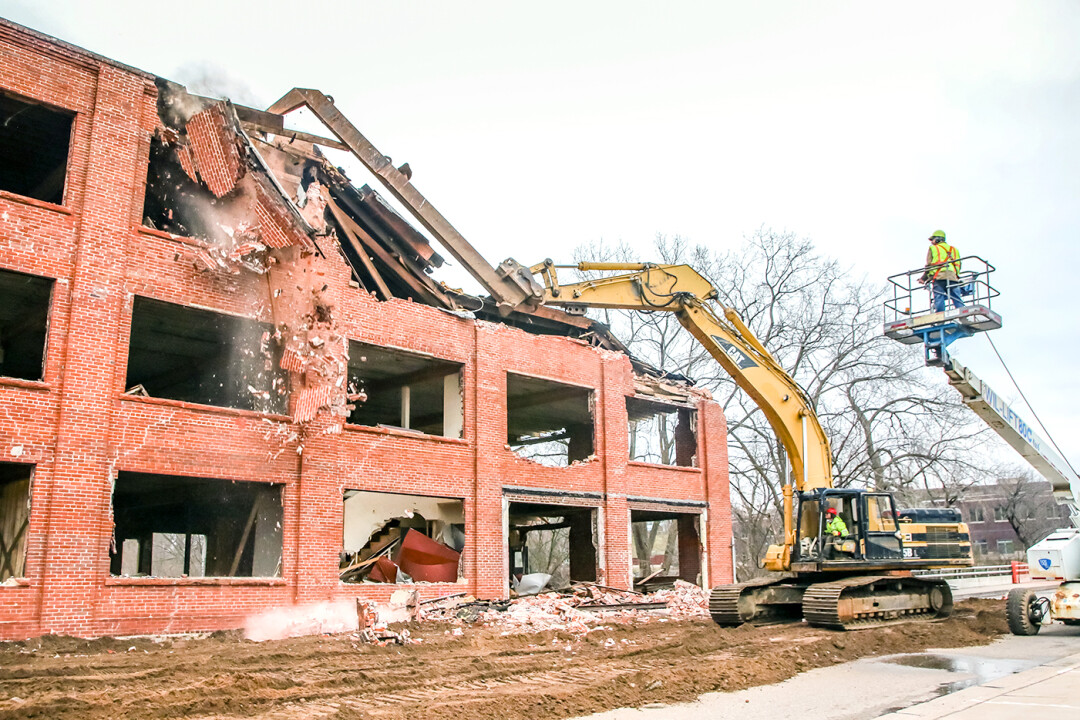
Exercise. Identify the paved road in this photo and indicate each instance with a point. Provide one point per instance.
(1051, 690)
(875, 687)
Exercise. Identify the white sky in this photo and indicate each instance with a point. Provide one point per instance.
(535, 128)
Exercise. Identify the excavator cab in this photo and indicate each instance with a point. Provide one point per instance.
(869, 536)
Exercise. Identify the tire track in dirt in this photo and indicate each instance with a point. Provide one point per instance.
(482, 675)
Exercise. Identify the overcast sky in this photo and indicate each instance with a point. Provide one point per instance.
(538, 127)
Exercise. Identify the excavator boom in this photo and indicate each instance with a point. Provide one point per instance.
(989, 406)
(856, 595)
(683, 291)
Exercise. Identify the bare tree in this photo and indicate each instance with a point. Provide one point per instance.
(549, 552)
(1029, 507)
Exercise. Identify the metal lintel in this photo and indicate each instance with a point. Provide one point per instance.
(666, 501)
(551, 493)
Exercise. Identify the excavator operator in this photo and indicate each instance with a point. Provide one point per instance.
(836, 529)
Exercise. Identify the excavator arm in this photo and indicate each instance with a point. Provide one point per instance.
(681, 290)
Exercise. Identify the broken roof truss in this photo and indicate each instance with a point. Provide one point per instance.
(265, 198)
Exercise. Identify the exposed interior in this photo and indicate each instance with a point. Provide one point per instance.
(24, 324)
(661, 433)
(376, 523)
(173, 201)
(170, 526)
(666, 547)
(406, 390)
(14, 518)
(557, 540)
(548, 422)
(199, 356)
(34, 144)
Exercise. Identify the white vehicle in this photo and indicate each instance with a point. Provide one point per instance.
(1055, 558)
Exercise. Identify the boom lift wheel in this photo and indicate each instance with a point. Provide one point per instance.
(1025, 611)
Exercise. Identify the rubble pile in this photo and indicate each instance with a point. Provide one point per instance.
(582, 609)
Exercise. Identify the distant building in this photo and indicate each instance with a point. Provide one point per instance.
(1008, 517)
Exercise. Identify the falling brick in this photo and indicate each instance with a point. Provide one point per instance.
(215, 150)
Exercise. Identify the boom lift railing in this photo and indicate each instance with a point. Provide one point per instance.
(910, 316)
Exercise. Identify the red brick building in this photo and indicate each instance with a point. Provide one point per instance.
(226, 379)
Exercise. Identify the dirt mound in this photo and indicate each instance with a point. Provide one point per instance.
(480, 673)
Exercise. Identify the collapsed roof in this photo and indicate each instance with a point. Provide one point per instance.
(260, 197)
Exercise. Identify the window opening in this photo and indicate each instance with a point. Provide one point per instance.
(551, 546)
(392, 537)
(661, 433)
(200, 356)
(14, 518)
(816, 543)
(24, 324)
(666, 547)
(548, 422)
(405, 390)
(169, 526)
(34, 144)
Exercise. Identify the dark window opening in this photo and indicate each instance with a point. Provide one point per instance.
(168, 526)
(661, 433)
(551, 546)
(14, 518)
(405, 390)
(548, 422)
(34, 145)
(666, 547)
(24, 324)
(175, 203)
(380, 540)
(199, 356)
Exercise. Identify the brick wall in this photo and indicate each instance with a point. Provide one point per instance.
(78, 429)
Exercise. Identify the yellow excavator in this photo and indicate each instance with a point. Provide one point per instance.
(856, 578)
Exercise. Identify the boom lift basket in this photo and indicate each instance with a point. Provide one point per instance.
(910, 317)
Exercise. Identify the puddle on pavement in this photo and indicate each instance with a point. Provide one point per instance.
(980, 669)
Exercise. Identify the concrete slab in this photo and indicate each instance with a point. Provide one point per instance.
(1045, 689)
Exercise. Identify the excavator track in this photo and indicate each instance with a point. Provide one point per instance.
(762, 601)
(868, 601)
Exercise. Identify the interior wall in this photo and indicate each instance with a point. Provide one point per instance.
(453, 406)
(367, 512)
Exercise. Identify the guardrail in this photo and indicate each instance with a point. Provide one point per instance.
(1014, 571)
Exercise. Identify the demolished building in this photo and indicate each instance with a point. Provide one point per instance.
(229, 380)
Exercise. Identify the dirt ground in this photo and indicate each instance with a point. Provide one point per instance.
(478, 674)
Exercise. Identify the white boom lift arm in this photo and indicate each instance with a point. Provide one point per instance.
(996, 413)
